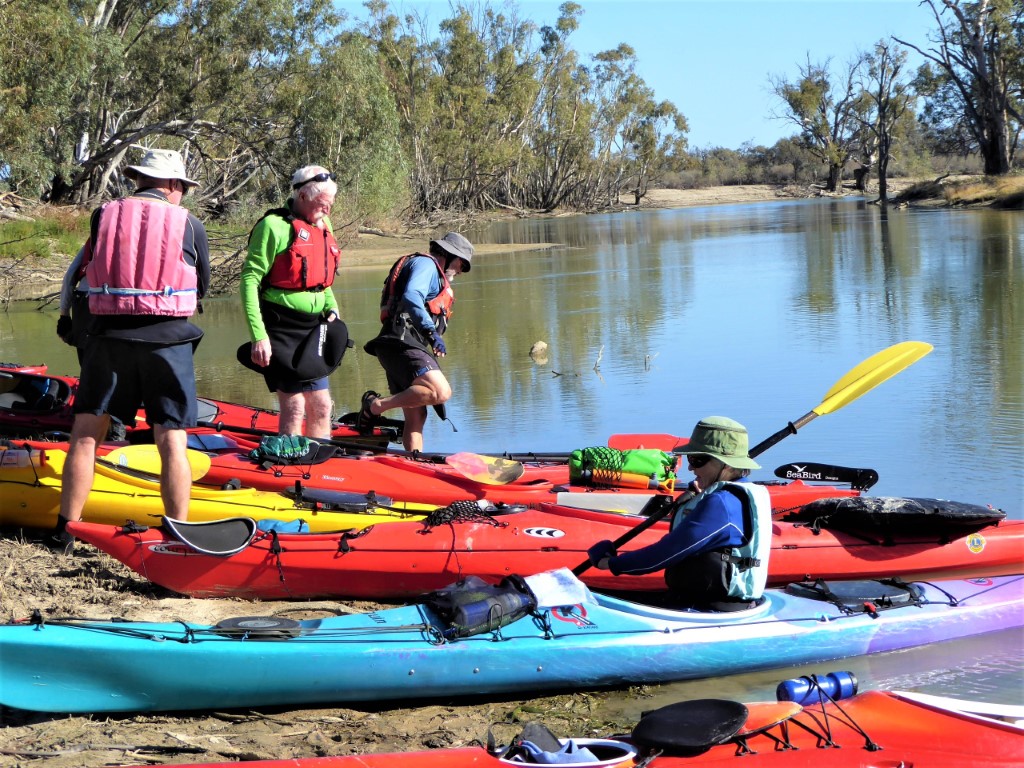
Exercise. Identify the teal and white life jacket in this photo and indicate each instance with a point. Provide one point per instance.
(748, 573)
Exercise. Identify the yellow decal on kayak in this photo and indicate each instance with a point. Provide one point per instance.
(976, 543)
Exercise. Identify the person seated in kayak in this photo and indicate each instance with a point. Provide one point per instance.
(715, 556)
(415, 307)
(289, 305)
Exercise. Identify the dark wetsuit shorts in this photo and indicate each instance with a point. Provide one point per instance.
(119, 377)
(403, 365)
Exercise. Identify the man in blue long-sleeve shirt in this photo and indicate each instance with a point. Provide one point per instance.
(715, 556)
(414, 310)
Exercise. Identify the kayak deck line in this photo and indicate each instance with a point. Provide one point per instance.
(432, 628)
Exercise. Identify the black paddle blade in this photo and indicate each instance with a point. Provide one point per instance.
(859, 479)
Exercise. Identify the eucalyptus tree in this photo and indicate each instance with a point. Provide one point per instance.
(341, 114)
(195, 75)
(406, 61)
(973, 80)
(559, 167)
(654, 141)
(824, 107)
(484, 95)
(465, 100)
(890, 101)
(636, 136)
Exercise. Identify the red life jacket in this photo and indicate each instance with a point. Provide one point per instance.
(138, 264)
(309, 263)
(439, 307)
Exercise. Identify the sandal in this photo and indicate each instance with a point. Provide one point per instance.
(366, 419)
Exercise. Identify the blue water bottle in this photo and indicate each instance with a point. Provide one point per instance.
(811, 689)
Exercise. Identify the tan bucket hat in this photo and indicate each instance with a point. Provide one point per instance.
(161, 164)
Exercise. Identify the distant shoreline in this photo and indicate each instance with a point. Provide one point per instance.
(36, 280)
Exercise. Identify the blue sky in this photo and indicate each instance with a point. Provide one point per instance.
(713, 58)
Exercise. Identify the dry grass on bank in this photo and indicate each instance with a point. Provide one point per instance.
(998, 192)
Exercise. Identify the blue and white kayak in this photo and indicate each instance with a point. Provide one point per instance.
(411, 652)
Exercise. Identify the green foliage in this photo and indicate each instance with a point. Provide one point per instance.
(54, 232)
(349, 123)
(484, 110)
(971, 81)
(828, 110)
(44, 57)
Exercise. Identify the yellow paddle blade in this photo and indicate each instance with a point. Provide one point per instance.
(872, 372)
(489, 470)
(146, 458)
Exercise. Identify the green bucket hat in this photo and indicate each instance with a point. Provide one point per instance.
(724, 439)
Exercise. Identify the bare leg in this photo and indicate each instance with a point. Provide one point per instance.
(293, 411)
(318, 413)
(412, 431)
(87, 433)
(175, 472)
(432, 388)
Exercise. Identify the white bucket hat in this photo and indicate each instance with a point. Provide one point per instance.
(161, 164)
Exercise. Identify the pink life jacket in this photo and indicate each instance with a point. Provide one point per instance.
(138, 265)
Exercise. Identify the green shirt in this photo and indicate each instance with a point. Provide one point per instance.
(272, 235)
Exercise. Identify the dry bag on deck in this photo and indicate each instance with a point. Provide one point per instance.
(636, 468)
(473, 606)
(894, 515)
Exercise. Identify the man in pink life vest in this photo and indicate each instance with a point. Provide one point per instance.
(148, 266)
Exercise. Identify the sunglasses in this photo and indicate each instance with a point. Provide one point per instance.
(698, 460)
(318, 178)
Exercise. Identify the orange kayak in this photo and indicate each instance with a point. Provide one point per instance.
(875, 729)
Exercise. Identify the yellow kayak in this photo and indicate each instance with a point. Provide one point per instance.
(30, 490)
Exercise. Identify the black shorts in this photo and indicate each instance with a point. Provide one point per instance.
(403, 365)
(119, 377)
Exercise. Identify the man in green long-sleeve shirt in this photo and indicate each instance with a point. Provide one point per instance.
(289, 306)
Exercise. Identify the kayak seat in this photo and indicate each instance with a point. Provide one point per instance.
(214, 537)
(11, 401)
(39, 395)
(689, 728)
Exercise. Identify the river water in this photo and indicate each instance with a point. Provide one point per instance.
(654, 319)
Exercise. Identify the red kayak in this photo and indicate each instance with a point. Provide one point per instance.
(405, 559)
(33, 402)
(428, 479)
(875, 729)
(19, 368)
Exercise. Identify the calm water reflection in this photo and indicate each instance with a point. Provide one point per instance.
(654, 319)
